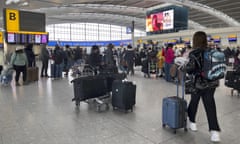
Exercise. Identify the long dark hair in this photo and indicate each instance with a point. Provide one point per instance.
(200, 40)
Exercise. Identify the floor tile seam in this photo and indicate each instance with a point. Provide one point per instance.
(231, 112)
(171, 138)
(38, 122)
(136, 132)
(1, 139)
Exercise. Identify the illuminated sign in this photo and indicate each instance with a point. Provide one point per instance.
(24, 21)
(232, 38)
(11, 20)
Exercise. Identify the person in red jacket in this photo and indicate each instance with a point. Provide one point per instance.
(169, 59)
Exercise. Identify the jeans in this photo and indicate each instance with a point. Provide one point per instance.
(167, 71)
(58, 70)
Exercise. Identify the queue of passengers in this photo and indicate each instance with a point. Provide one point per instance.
(124, 58)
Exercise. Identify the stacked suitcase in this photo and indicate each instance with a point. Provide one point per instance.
(88, 87)
(174, 109)
(232, 80)
(96, 87)
(123, 95)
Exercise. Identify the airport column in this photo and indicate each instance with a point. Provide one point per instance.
(133, 34)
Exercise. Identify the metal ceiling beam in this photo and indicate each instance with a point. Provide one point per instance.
(107, 7)
(209, 10)
(99, 18)
(195, 25)
(96, 7)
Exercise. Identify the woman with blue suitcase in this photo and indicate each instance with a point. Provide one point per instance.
(204, 89)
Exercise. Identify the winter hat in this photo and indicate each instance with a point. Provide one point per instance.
(129, 46)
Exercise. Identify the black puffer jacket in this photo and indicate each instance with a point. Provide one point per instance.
(30, 55)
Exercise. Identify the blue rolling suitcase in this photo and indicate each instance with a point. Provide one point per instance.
(174, 111)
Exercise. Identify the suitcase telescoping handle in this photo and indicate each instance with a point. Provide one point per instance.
(182, 84)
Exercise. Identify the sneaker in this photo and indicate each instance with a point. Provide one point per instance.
(215, 136)
(192, 126)
(17, 84)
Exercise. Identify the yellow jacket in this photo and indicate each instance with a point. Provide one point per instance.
(160, 58)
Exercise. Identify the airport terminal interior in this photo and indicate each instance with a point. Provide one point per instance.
(42, 112)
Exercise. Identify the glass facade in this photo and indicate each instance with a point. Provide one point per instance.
(89, 32)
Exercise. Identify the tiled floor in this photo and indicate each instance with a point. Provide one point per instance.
(42, 113)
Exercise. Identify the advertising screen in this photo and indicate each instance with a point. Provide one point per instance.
(160, 21)
(166, 19)
(11, 38)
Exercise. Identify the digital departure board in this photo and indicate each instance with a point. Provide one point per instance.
(30, 21)
(15, 20)
(19, 38)
(11, 38)
(23, 27)
(44, 39)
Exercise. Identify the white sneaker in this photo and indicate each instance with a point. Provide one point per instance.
(192, 126)
(215, 136)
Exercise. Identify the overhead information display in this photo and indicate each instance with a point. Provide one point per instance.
(30, 21)
(22, 27)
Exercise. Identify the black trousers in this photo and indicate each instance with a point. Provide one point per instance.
(19, 70)
(130, 67)
(44, 67)
(207, 96)
(1, 68)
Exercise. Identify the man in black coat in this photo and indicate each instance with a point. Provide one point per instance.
(30, 55)
(129, 57)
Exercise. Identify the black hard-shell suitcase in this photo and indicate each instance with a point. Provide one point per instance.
(89, 87)
(112, 77)
(123, 95)
(53, 71)
(109, 70)
(232, 80)
(174, 110)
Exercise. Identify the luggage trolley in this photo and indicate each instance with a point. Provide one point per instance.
(152, 68)
(82, 70)
(96, 89)
(232, 80)
(91, 89)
